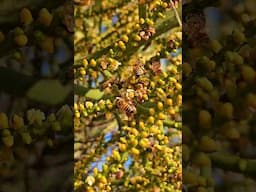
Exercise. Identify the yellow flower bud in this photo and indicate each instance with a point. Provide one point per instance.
(161, 116)
(205, 119)
(93, 63)
(226, 110)
(152, 111)
(77, 114)
(141, 125)
(3, 120)
(121, 45)
(239, 36)
(82, 71)
(135, 151)
(178, 86)
(205, 83)
(125, 38)
(207, 144)
(215, 46)
(144, 143)
(8, 140)
(47, 44)
(201, 159)
(116, 156)
(160, 105)
(251, 100)
(26, 17)
(122, 147)
(85, 62)
(21, 40)
(149, 22)
(248, 74)
(45, 17)
(18, 122)
(26, 137)
(151, 119)
(137, 38)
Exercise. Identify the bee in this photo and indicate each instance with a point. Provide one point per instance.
(138, 69)
(108, 83)
(147, 33)
(104, 62)
(126, 106)
(140, 92)
(151, 31)
(156, 67)
(171, 44)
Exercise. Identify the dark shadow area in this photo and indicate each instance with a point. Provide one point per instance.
(219, 96)
(36, 96)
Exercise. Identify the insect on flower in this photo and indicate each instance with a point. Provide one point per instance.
(109, 82)
(126, 106)
(140, 92)
(156, 67)
(138, 70)
(147, 33)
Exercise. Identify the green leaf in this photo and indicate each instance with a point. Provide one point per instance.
(80, 90)
(95, 94)
(50, 92)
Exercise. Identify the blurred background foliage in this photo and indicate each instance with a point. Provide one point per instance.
(219, 95)
(36, 96)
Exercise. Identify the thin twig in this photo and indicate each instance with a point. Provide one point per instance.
(176, 13)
